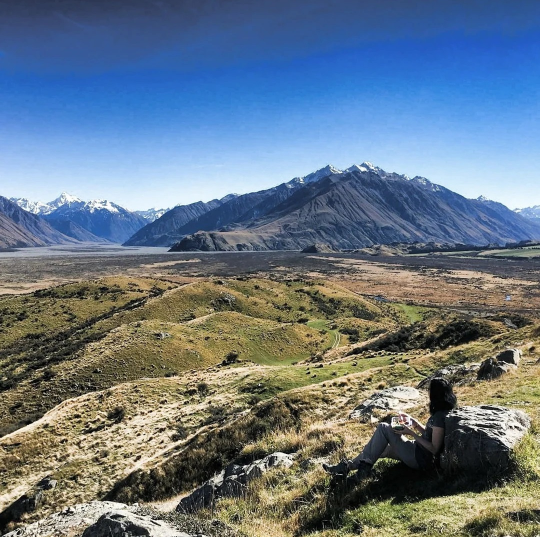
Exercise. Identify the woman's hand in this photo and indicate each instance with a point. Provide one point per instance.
(405, 430)
(413, 421)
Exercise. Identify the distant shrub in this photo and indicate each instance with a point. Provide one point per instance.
(231, 358)
(179, 434)
(216, 413)
(48, 374)
(203, 389)
(117, 414)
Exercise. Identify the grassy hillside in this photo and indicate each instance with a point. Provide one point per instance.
(65, 341)
(190, 380)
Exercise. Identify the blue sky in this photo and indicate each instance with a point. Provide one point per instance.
(160, 102)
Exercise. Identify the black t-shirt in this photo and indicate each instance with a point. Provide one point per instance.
(425, 458)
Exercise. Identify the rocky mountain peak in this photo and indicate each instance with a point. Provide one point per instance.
(530, 212)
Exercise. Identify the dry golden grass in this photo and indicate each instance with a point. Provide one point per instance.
(152, 439)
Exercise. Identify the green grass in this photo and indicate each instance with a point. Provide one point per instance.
(65, 341)
(413, 313)
(135, 433)
(525, 252)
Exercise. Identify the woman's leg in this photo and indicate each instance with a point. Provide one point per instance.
(386, 443)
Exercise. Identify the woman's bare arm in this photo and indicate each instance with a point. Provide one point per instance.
(437, 440)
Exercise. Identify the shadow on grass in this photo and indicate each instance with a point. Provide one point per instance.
(395, 482)
(399, 483)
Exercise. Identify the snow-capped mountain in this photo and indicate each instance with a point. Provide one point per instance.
(93, 220)
(151, 215)
(530, 212)
(34, 207)
(40, 208)
(363, 205)
(102, 218)
(315, 176)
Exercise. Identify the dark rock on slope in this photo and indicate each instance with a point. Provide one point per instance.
(20, 228)
(366, 206)
(318, 249)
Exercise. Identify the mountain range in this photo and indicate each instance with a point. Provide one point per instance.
(358, 207)
(342, 209)
(92, 221)
(20, 228)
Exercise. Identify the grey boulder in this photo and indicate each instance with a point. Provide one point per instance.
(481, 439)
(232, 481)
(396, 398)
(127, 524)
(457, 375)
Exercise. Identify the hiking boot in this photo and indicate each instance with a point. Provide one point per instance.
(341, 468)
(364, 471)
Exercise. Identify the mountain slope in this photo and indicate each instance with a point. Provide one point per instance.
(12, 235)
(233, 212)
(21, 228)
(71, 229)
(158, 232)
(364, 206)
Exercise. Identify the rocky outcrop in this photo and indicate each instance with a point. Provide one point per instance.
(27, 503)
(126, 523)
(232, 481)
(396, 398)
(100, 519)
(509, 356)
(318, 248)
(491, 369)
(457, 375)
(505, 362)
(481, 439)
(67, 521)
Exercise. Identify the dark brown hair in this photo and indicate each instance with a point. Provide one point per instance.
(441, 395)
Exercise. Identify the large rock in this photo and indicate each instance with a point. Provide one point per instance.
(100, 519)
(232, 481)
(481, 439)
(457, 375)
(491, 369)
(509, 356)
(396, 398)
(27, 503)
(127, 524)
(68, 521)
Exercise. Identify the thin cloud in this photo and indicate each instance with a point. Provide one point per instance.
(99, 35)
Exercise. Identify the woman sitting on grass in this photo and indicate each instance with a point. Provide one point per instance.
(388, 442)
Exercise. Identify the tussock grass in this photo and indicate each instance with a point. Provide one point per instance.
(154, 417)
